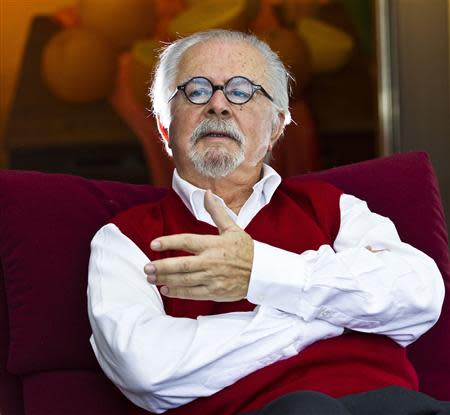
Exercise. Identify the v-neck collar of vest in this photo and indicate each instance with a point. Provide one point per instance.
(183, 212)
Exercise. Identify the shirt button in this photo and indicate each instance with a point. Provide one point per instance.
(261, 297)
(326, 313)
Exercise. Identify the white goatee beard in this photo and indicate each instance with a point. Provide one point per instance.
(216, 161)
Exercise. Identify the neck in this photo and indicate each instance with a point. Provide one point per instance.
(234, 188)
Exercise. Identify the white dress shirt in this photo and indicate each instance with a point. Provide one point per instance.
(368, 281)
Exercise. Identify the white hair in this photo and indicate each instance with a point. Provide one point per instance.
(167, 68)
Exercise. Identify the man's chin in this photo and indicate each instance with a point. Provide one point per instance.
(215, 164)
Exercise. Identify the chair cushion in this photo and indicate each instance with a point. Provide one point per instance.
(72, 393)
(11, 399)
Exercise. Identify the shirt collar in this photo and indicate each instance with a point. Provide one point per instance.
(193, 197)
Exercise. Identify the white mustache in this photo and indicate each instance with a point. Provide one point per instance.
(215, 125)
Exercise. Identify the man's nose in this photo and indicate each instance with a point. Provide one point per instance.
(218, 105)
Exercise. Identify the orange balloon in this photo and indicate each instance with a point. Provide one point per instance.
(78, 65)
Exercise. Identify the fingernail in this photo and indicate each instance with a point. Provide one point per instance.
(164, 290)
(149, 269)
(151, 279)
(155, 245)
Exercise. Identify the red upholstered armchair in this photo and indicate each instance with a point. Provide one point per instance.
(46, 224)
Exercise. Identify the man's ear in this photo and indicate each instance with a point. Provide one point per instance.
(277, 129)
(162, 130)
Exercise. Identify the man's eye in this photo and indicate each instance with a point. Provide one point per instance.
(239, 93)
(201, 92)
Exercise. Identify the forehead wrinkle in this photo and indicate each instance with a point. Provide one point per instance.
(223, 60)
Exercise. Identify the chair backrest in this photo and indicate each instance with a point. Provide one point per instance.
(47, 222)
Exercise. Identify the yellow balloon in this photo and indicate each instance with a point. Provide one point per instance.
(330, 47)
(120, 21)
(209, 14)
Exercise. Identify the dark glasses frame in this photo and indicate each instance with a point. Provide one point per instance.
(255, 87)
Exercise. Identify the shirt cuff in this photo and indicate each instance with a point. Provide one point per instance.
(277, 279)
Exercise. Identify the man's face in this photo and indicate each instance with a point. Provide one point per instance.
(218, 137)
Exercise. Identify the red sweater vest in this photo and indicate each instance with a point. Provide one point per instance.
(302, 215)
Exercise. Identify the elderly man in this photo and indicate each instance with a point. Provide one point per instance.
(237, 287)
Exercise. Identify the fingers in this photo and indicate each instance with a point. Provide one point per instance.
(175, 265)
(188, 293)
(187, 242)
(180, 280)
(218, 213)
(185, 285)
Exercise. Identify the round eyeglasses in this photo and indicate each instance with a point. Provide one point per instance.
(237, 90)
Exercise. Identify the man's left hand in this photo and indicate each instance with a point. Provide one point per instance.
(221, 265)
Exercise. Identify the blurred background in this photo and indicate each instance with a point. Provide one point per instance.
(372, 79)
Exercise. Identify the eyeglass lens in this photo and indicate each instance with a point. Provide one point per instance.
(238, 90)
(198, 90)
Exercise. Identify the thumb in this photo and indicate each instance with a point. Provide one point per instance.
(218, 213)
